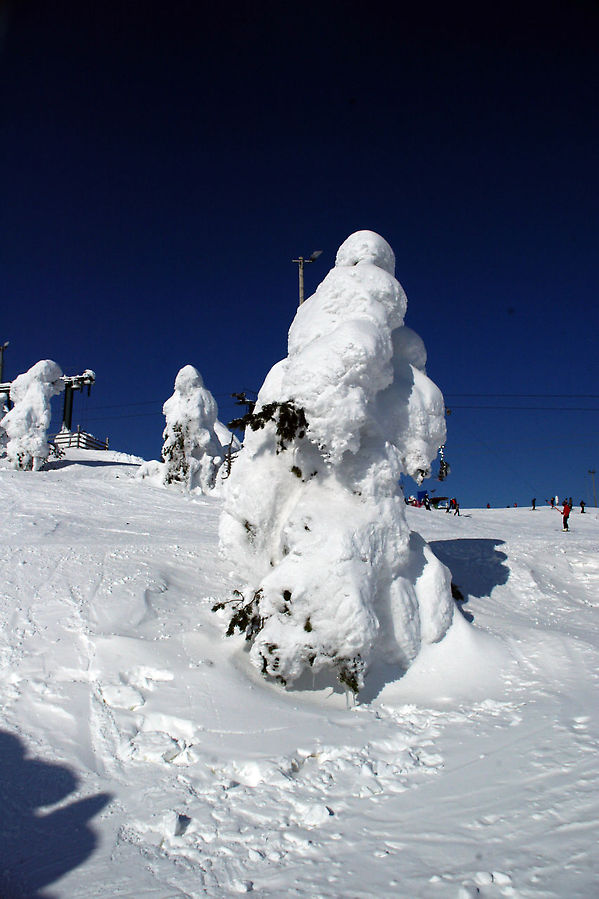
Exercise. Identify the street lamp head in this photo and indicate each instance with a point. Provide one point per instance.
(314, 256)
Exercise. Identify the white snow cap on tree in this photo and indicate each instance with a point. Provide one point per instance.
(314, 520)
(192, 451)
(27, 423)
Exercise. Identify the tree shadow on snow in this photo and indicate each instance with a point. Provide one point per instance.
(476, 567)
(88, 463)
(37, 848)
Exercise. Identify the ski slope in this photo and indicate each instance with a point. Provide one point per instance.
(142, 756)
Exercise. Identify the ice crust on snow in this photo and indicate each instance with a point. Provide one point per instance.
(27, 423)
(318, 531)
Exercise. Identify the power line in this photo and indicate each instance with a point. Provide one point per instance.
(117, 417)
(529, 408)
(552, 396)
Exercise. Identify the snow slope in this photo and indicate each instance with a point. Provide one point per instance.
(143, 756)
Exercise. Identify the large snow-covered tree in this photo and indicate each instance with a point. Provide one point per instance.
(27, 423)
(314, 519)
(192, 451)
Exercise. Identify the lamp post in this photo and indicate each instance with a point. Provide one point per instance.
(2, 348)
(592, 473)
(301, 261)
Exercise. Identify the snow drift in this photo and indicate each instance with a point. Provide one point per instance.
(330, 575)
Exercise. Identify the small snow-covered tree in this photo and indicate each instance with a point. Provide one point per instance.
(314, 521)
(192, 452)
(27, 423)
(3, 411)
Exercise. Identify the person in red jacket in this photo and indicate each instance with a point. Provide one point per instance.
(566, 514)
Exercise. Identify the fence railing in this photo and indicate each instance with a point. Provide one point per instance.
(79, 440)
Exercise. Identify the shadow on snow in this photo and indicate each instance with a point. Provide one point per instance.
(88, 463)
(476, 566)
(36, 848)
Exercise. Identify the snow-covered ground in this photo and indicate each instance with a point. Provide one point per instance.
(142, 755)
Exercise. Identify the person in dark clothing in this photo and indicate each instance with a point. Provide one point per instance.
(582, 505)
(534, 503)
(566, 515)
(456, 506)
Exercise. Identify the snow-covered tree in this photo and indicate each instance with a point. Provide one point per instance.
(27, 423)
(3, 411)
(192, 452)
(314, 520)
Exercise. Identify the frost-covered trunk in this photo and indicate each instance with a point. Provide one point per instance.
(192, 452)
(314, 520)
(27, 423)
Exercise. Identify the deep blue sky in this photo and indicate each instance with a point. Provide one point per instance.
(163, 163)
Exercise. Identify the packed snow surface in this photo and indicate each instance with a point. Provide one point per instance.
(143, 757)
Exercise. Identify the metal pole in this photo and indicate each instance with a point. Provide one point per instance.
(302, 262)
(67, 415)
(301, 280)
(592, 473)
(2, 348)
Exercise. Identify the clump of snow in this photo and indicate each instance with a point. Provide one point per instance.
(27, 423)
(314, 521)
(195, 441)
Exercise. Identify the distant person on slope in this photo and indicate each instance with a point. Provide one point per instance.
(534, 503)
(582, 505)
(566, 514)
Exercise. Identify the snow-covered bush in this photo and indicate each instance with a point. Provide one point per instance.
(192, 451)
(27, 423)
(314, 520)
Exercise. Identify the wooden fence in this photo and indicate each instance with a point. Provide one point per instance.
(78, 439)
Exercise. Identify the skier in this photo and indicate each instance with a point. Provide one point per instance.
(566, 514)
(456, 506)
(582, 505)
(534, 503)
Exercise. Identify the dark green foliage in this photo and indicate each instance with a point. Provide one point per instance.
(308, 625)
(174, 454)
(351, 672)
(228, 460)
(289, 419)
(296, 471)
(56, 451)
(246, 615)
